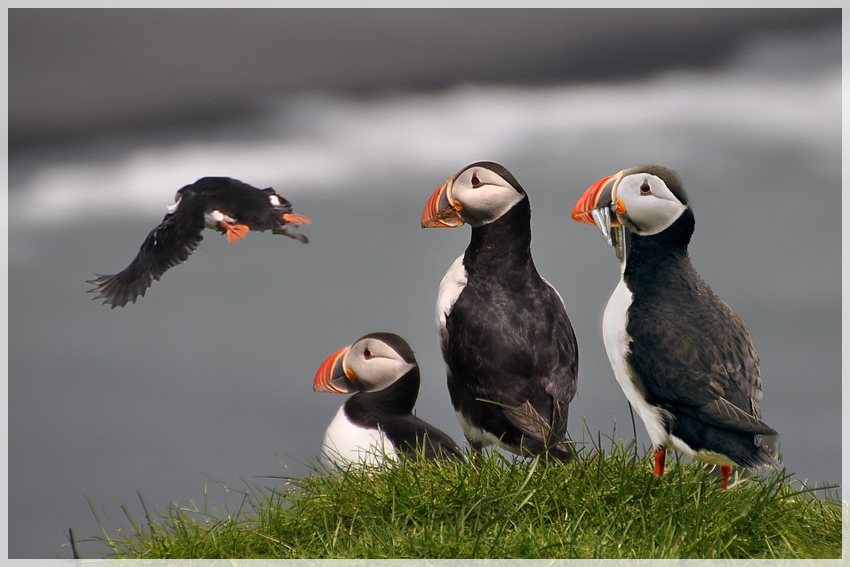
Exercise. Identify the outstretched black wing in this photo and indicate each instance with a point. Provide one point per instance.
(168, 245)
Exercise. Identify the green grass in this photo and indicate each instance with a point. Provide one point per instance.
(606, 504)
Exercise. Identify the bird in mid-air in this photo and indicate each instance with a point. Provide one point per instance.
(223, 204)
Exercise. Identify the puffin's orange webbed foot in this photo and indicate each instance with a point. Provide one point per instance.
(725, 475)
(234, 232)
(660, 455)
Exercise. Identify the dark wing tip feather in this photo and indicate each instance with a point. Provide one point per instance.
(118, 293)
(438, 445)
(723, 413)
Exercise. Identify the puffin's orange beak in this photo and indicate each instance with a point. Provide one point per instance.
(599, 205)
(599, 195)
(332, 377)
(440, 211)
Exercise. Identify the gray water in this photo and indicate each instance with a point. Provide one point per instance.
(208, 378)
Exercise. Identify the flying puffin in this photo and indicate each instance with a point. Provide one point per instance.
(377, 421)
(683, 357)
(510, 351)
(227, 205)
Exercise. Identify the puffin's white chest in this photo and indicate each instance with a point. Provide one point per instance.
(450, 288)
(617, 341)
(212, 218)
(346, 442)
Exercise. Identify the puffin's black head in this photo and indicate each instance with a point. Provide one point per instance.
(646, 199)
(478, 194)
(374, 362)
(276, 200)
(668, 176)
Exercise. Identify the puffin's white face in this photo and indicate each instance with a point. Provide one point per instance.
(650, 206)
(475, 196)
(374, 364)
(482, 195)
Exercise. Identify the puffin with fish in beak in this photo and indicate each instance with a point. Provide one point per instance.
(684, 359)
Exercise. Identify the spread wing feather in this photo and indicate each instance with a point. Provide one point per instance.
(166, 246)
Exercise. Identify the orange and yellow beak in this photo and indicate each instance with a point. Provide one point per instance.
(442, 211)
(599, 205)
(332, 375)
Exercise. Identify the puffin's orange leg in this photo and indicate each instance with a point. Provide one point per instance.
(295, 219)
(725, 474)
(660, 455)
(234, 232)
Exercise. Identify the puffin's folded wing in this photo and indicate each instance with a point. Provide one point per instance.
(723, 413)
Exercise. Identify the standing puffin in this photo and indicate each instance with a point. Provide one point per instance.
(683, 357)
(227, 205)
(377, 421)
(510, 351)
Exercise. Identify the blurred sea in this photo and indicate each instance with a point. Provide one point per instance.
(209, 376)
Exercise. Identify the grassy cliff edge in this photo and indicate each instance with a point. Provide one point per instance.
(606, 504)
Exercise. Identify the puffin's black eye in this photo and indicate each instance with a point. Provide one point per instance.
(367, 354)
(645, 189)
(476, 183)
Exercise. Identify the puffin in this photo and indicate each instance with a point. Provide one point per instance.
(377, 422)
(510, 351)
(223, 204)
(684, 359)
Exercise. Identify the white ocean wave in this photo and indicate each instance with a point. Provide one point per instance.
(330, 144)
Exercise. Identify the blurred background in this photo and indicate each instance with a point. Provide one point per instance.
(357, 116)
